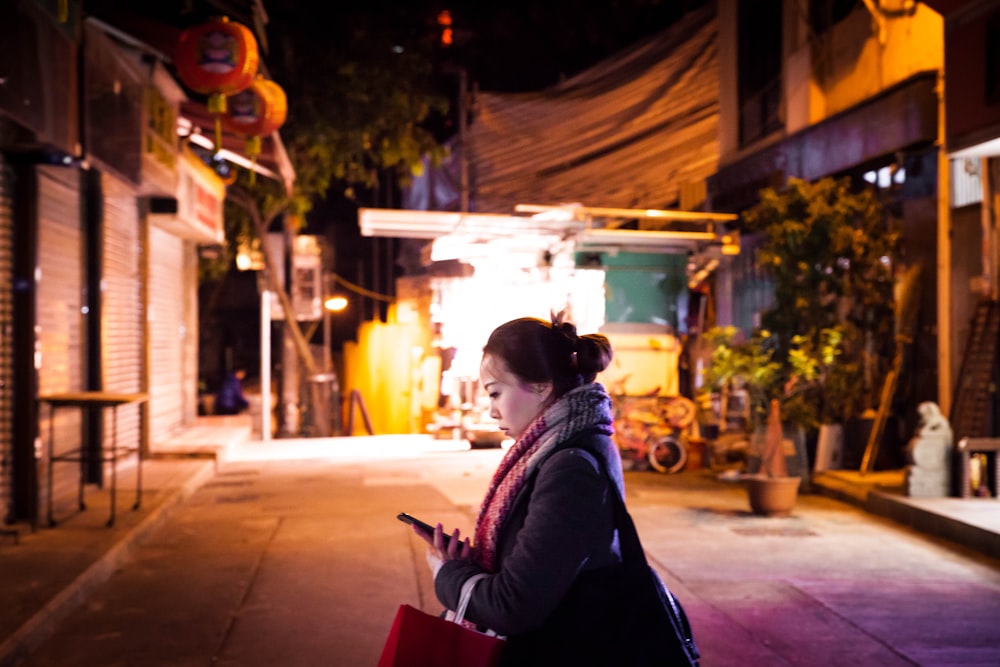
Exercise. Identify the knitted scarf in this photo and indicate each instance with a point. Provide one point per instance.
(584, 408)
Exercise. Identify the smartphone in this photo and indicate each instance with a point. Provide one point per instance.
(425, 527)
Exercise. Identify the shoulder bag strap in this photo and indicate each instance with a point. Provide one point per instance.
(634, 561)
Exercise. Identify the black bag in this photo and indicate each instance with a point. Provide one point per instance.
(622, 615)
(659, 631)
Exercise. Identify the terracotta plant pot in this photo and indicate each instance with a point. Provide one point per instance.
(772, 496)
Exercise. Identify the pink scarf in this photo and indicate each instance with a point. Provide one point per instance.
(584, 408)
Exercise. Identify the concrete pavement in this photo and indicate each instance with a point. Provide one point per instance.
(718, 558)
(48, 572)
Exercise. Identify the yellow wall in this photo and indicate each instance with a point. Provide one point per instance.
(394, 366)
(858, 61)
(380, 366)
(827, 74)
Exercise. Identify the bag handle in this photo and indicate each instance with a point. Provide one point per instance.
(463, 599)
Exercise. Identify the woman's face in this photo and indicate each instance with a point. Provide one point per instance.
(513, 403)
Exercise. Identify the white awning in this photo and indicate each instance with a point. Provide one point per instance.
(588, 228)
(198, 207)
(405, 223)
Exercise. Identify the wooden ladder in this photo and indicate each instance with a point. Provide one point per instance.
(975, 391)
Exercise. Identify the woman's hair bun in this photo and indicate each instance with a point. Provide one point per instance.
(591, 352)
(593, 355)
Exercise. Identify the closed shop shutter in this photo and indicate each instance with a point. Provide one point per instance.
(6, 347)
(191, 328)
(60, 290)
(122, 348)
(168, 332)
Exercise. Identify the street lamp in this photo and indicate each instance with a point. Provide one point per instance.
(335, 303)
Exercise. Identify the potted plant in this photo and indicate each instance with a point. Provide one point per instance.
(841, 375)
(782, 402)
(772, 491)
(829, 251)
(827, 340)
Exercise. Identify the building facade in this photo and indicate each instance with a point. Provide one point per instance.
(103, 212)
(843, 90)
(972, 147)
(786, 89)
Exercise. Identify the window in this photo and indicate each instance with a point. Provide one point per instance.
(759, 68)
(993, 59)
(824, 14)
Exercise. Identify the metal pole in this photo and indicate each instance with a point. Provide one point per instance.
(943, 259)
(990, 208)
(265, 365)
(327, 354)
(463, 136)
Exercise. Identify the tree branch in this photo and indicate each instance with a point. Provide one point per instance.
(261, 224)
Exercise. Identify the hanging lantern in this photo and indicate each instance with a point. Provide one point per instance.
(257, 112)
(217, 59)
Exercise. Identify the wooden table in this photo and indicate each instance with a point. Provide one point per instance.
(91, 400)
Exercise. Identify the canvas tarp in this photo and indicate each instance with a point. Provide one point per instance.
(630, 132)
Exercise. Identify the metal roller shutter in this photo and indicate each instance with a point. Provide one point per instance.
(60, 322)
(168, 332)
(6, 347)
(121, 349)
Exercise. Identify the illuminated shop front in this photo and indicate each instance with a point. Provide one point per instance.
(631, 285)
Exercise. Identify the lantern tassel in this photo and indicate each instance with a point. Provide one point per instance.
(253, 150)
(217, 107)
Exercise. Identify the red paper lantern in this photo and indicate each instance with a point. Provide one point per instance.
(257, 112)
(217, 59)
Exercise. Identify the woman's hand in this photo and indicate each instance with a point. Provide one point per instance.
(441, 551)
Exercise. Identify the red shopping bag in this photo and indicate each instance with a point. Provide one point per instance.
(418, 639)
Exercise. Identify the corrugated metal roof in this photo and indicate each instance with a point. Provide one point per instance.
(626, 133)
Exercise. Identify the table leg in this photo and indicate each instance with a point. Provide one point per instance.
(138, 477)
(84, 464)
(114, 461)
(51, 449)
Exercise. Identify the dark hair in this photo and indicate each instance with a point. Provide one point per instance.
(538, 351)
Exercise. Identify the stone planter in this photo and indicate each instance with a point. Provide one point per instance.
(771, 496)
(794, 448)
(829, 447)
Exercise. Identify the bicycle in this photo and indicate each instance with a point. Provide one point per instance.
(652, 430)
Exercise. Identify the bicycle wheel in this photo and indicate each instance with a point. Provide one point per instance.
(679, 411)
(667, 454)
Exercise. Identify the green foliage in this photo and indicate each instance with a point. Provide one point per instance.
(360, 95)
(829, 251)
(752, 365)
(362, 92)
(266, 195)
(824, 243)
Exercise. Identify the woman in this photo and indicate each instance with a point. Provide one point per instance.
(545, 533)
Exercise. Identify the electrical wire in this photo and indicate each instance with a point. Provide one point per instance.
(358, 289)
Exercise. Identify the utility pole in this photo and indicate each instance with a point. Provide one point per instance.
(943, 259)
(463, 135)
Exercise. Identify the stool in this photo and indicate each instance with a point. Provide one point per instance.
(965, 449)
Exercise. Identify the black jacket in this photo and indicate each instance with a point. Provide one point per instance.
(559, 562)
